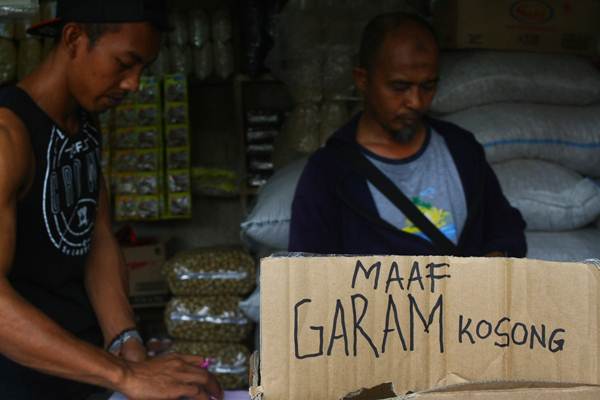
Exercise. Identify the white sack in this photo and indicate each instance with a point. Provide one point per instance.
(564, 246)
(268, 225)
(475, 78)
(569, 136)
(550, 197)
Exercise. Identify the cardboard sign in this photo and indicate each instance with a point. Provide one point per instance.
(564, 26)
(335, 325)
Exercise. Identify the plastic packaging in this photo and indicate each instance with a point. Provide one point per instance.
(30, 56)
(229, 361)
(8, 61)
(262, 117)
(179, 35)
(253, 39)
(149, 115)
(221, 25)
(139, 184)
(136, 160)
(162, 64)
(211, 271)
(177, 136)
(136, 208)
(176, 88)
(178, 158)
(199, 28)
(179, 181)
(215, 182)
(19, 8)
(47, 10)
(180, 59)
(208, 319)
(126, 116)
(180, 205)
(125, 138)
(223, 59)
(149, 91)
(149, 137)
(203, 61)
(176, 113)
(7, 29)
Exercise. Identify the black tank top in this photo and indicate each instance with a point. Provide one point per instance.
(55, 220)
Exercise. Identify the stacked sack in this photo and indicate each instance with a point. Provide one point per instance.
(538, 119)
(204, 317)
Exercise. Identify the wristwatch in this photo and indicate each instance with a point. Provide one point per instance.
(118, 342)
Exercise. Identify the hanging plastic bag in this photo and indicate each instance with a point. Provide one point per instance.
(202, 58)
(223, 59)
(199, 28)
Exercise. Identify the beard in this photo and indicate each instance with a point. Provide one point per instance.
(406, 134)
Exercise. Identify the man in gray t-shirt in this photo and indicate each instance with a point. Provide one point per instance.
(430, 179)
(440, 167)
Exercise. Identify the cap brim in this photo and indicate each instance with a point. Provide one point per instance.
(49, 28)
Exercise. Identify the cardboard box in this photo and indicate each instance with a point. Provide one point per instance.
(147, 286)
(564, 26)
(443, 328)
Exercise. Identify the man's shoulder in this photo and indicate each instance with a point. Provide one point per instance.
(450, 131)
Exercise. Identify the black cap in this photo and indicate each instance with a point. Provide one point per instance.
(103, 11)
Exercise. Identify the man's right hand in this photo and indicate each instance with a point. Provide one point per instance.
(169, 377)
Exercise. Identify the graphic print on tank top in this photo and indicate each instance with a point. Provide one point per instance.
(70, 189)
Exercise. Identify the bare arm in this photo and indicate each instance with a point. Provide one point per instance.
(42, 344)
(36, 346)
(107, 283)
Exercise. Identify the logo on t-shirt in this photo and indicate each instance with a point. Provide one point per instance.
(441, 219)
(70, 191)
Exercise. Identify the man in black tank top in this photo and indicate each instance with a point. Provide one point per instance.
(65, 323)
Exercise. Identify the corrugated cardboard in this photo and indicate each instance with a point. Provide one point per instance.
(147, 286)
(331, 326)
(565, 26)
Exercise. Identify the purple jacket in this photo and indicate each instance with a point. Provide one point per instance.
(333, 211)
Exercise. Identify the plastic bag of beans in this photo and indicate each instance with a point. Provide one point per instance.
(207, 319)
(211, 271)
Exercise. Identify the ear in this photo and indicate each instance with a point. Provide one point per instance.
(74, 38)
(360, 76)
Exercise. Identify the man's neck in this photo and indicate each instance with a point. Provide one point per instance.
(372, 136)
(47, 86)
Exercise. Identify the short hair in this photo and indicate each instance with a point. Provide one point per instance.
(379, 27)
(95, 31)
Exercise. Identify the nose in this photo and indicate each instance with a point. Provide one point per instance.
(131, 83)
(414, 98)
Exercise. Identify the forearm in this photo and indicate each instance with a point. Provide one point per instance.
(30, 338)
(107, 287)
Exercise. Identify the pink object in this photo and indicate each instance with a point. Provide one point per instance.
(207, 363)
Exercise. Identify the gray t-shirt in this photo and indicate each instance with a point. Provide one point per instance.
(431, 181)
